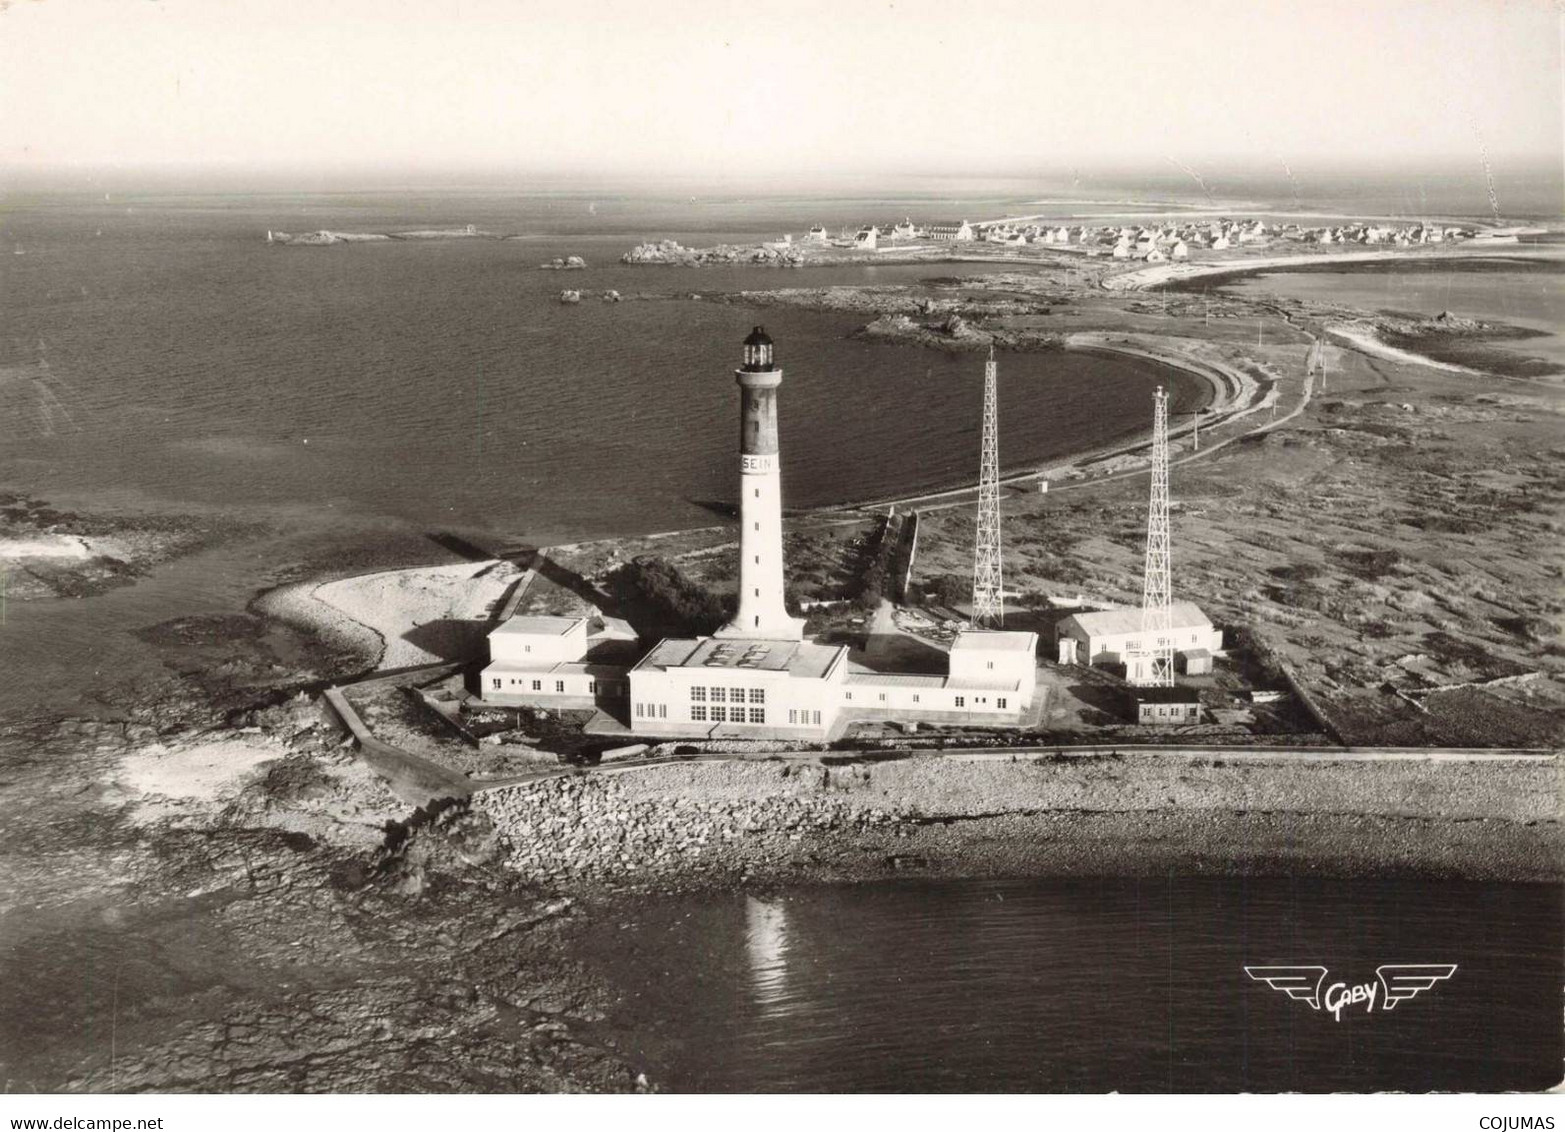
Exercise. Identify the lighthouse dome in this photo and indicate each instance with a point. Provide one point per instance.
(758, 350)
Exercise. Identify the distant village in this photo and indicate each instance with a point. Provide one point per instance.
(1154, 244)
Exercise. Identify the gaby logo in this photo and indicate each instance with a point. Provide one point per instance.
(1396, 983)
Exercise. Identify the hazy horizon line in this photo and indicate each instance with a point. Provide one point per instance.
(1192, 173)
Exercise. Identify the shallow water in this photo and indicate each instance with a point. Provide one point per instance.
(162, 345)
(1085, 985)
(1534, 300)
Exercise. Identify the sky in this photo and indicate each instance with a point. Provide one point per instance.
(787, 88)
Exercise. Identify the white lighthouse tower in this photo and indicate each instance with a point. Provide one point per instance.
(761, 612)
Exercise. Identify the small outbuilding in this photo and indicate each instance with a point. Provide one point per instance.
(1194, 662)
(1166, 707)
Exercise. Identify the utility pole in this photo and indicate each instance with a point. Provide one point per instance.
(1157, 584)
(988, 588)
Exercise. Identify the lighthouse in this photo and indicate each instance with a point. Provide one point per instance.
(761, 613)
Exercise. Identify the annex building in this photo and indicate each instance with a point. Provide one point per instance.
(1114, 638)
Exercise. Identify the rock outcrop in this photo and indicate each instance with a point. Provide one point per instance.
(672, 253)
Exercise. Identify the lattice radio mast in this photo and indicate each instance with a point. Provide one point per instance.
(1156, 619)
(988, 595)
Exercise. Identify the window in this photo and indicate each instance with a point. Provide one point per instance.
(757, 591)
(991, 664)
(497, 681)
(592, 687)
(961, 701)
(882, 697)
(817, 716)
(757, 559)
(719, 695)
(736, 695)
(847, 695)
(757, 715)
(641, 709)
(527, 648)
(1000, 703)
(537, 685)
(662, 711)
(698, 692)
(758, 526)
(793, 715)
(719, 715)
(757, 695)
(1132, 645)
(758, 493)
(757, 622)
(698, 712)
(915, 697)
(559, 685)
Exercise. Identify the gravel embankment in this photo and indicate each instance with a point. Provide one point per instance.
(716, 823)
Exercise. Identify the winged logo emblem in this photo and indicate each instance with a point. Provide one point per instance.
(1404, 980)
(1302, 984)
(1398, 983)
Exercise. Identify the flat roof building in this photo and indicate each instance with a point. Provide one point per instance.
(561, 662)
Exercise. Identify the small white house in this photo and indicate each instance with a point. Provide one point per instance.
(1115, 637)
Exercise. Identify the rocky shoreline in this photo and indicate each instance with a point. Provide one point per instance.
(786, 822)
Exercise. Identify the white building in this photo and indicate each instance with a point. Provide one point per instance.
(867, 238)
(708, 686)
(549, 662)
(714, 688)
(1114, 637)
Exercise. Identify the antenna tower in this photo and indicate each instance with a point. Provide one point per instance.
(1156, 620)
(988, 598)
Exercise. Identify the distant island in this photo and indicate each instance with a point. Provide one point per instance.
(324, 236)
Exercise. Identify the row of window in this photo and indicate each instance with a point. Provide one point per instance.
(1132, 646)
(701, 713)
(652, 711)
(799, 715)
(608, 687)
(537, 685)
(961, 701)
(700, 694)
